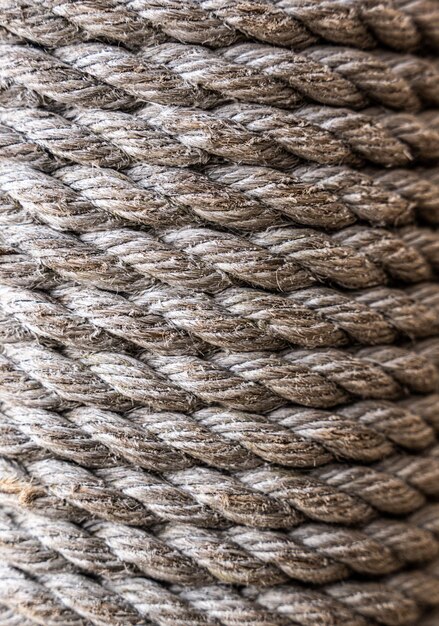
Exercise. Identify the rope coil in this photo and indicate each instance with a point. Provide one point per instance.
(219, 313)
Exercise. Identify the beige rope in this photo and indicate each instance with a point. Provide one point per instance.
(219, 313)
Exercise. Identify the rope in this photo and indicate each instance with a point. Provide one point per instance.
(219, 313)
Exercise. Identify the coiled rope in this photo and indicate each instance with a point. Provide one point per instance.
(219, 313)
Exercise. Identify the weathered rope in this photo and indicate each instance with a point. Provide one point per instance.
(400, 25)
(219, 313)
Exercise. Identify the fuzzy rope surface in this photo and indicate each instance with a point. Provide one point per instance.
(219, 313)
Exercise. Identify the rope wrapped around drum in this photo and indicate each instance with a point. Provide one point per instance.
(219, 313)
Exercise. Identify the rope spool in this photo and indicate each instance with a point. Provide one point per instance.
(219, 313)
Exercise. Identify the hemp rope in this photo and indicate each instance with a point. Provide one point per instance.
(219, 313)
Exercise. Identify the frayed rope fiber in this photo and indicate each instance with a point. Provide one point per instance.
(219, 313)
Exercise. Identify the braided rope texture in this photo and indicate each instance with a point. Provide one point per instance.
(219, 313)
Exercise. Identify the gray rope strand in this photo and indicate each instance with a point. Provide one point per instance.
(63, 335)
(334, 591)
(31, 599)
(224, 22)
(339, 318)
(356, 78)
(292, 268)
(371, 202)
(183, 21)
(327, 185)
(104, 138)
(381, 369)
(288, 449)
(332, 136)
(274, 548)
(290, 486)
(384, 622)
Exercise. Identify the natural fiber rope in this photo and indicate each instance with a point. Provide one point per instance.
(219, 313)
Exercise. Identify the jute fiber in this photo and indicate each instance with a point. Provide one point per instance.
(219, 313)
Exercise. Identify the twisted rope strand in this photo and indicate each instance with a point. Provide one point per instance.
(54, 79)
(356, 78)
(368, 203)
(393, 24)
(309, 132)
(424, 14)
(98, 18)
(291, 486)
(313, 425)
(350, 26)
(383, 310)
(31, 599)
(160, 595)
(335, 76)
(253, 367)
(48, 533)
(393, 143)
(336, 590)
(219, 364)
(354, 603)
(49, 332)
(361, 271)
(397, 536)
(31, 21)
(303, 453)
(104, 138)
(381, 591)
